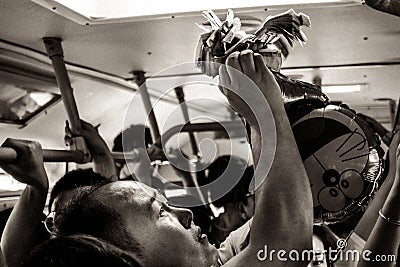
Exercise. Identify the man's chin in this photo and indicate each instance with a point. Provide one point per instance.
(213, 255)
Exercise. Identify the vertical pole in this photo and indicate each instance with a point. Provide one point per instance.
(56, 54)
(141, 82)
(181, 98)
(200, 175)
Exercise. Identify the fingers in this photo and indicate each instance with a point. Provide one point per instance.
(224, 79)
(233, 66)
(246, 60)
(259, 62)
(260, 32)
(67, 129)
(87, 130)
(8, 142)
(27, 152)
(86, 126)
(21, 145)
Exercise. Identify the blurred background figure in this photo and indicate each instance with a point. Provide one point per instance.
(234, 207)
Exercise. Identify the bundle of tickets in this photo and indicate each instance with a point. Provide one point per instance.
(227, 37)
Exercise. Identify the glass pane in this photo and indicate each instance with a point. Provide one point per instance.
(18, 105)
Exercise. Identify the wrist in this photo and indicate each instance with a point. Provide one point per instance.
(41, 189)
(387, 219)
(391, 206)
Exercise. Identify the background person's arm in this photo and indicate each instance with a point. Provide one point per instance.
(284, 212)
(385, 236)
(20, 235)
(367, 222)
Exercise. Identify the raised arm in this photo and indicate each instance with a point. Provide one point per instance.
(385, 236)
(20, 235)
(103, 162)
(284, 212)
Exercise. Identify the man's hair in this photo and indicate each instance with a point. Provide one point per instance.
(79, 251)
(74, 179)
(85, 214)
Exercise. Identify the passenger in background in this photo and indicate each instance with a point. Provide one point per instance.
(136, 139)
(237, 205)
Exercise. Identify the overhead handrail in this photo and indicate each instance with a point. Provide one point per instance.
(199, 127)
(8, 154)
(50, 155)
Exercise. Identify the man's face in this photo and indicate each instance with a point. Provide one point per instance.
(167, 234)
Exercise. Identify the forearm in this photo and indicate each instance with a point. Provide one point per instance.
(20, 234)
(385, 236)
(367, 222)
(284, 210)
(104, 164)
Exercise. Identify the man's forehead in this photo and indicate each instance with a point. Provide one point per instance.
(133, 189)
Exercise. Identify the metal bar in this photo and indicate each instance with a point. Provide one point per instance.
(56, 54)
(140, 80)
(181, 98)
(199, 175)
(199, 127)
(49, 155)
(149, 109)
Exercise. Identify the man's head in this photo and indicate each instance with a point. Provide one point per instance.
(158, 234)
(79, 251)
(65, 186)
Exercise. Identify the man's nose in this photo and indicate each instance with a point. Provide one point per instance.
(185, 216)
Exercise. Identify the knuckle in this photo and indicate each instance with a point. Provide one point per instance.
(247, 52)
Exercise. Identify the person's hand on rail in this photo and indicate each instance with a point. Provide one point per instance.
(28, 167)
